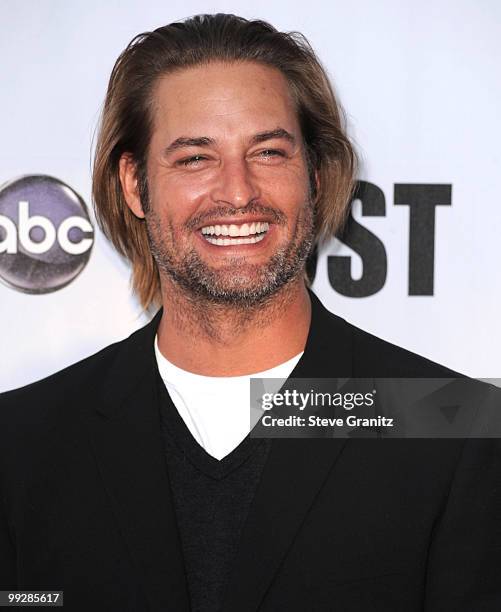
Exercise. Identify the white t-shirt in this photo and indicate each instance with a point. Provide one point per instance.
(216, 409)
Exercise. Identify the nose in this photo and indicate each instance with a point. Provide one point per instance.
(235, 185)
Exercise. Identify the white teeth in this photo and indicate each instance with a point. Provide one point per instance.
(230, 241)
(234, 230)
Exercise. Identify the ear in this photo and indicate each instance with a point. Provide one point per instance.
(130, 188)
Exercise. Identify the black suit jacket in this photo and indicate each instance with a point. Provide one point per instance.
(338, 525)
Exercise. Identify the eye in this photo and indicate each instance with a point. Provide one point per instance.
(269, 153)
(270, 156)
(194, 160)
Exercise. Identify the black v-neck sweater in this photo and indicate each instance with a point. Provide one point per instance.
(212, 499)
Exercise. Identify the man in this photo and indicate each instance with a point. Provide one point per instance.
(128, 480)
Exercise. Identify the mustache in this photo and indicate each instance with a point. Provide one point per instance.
(253, 208)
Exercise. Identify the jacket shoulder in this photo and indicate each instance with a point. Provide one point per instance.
(67, 388)
(378, 357)
(61, 387)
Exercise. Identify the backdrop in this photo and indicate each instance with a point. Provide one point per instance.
(419, 265)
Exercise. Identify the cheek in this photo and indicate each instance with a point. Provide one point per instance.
(288, 187)
(176, 200)
(290, 196)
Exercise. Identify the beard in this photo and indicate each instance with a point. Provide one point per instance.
(238, 283)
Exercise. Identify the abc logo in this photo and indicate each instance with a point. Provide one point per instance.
(45, 234)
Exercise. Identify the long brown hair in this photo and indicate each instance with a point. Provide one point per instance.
(126, 123)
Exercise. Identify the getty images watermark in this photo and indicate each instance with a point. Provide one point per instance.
(375, 407)
(305, 402)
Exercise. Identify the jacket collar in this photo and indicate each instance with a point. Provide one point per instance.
(328, 353)
(133, 365)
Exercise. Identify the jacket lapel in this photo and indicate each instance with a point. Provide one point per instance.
(294, 473)
(125, 435)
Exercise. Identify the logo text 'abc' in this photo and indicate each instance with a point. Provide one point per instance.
(26, 223)
(46, 234)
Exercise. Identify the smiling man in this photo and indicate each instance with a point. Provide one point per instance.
(130, 480)
(228, 209)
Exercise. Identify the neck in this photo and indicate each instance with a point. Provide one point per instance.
(221, 340)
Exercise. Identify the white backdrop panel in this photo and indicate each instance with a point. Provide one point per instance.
(421, 88)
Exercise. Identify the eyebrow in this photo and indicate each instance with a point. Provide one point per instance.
(272, 134)
(205, 141)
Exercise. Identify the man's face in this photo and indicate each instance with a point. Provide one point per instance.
(229, 214)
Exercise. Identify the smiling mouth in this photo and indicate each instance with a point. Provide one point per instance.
(226, 235)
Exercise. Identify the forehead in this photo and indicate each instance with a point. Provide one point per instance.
(230, 98)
